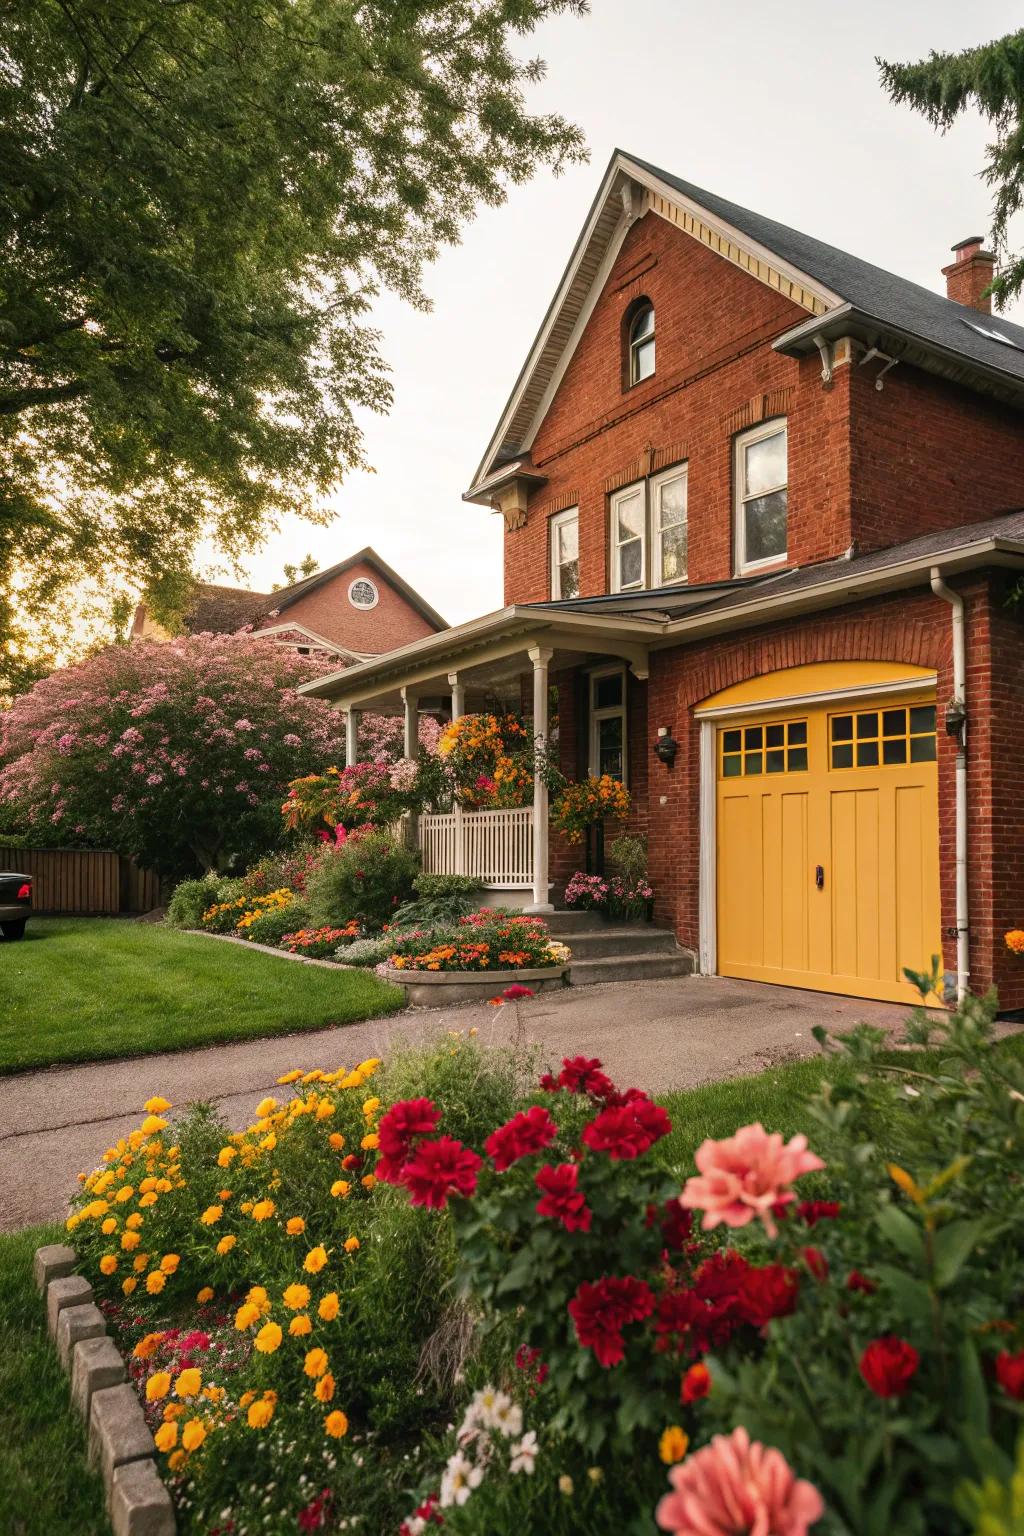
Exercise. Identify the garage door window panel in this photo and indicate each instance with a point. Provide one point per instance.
(883, 738)
(752, 750)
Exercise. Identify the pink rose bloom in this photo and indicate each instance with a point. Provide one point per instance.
(745, 1175)
(737, 1488)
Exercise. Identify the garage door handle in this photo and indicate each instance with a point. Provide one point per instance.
(819, 876)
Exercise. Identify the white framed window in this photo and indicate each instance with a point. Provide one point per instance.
(608, 722)
(669, 526)
(363, 593)
(761, 480)
(629, 537)
(641, 344)
(565, 554)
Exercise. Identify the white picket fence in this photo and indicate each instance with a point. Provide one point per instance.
(495, 846)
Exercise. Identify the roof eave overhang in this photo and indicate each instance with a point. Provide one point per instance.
(905, 345)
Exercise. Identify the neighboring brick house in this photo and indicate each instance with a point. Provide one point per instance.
(355, 609)
(762, 520)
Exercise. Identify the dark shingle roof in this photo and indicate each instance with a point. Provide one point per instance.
(890, 299)
(223, 610)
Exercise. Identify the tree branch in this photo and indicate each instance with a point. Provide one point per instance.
(54, 394)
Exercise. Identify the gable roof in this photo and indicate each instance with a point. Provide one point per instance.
(221, 610)
(841, 293)
(285, 596)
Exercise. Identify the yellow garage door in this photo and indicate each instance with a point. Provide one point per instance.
(827, 829)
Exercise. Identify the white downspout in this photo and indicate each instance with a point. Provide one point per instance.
(956, 602)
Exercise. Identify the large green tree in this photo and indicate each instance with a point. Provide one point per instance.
(991, 79)
(198, 202)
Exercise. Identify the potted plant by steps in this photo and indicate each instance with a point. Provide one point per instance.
(484, 952)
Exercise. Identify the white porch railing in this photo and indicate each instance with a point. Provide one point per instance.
(495, 846)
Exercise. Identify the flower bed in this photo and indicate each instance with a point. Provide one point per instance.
(459, 964)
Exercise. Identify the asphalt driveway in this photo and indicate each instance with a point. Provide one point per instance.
(657, 1035)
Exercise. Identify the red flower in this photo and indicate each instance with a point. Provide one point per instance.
(813, 1211)
(582, 1074)
(548, 1083)
(769, 1292)
(855, 1281)
(676, 1224)
(562, 1200)
(628, 1131)
(1010, 1374)
(696, 1383)
(517, 990)
(888, 1365)
(816, 1262)
(529, 1131)
(402, 1125)
(602, 1308)
(439, 1169)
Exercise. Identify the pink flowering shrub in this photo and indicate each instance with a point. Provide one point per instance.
(178, 754)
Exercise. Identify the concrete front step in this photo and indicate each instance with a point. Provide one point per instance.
(609, 939)
(568, 921)
(630, 967)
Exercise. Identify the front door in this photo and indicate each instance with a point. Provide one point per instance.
(827, 857)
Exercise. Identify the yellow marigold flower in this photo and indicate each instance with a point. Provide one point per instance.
(247, 1206)
(295, 1226)
(226, 1156)
(324, 1110)
(368, 1180)
(263, 1210)
(673, 1445)
(296, 1296)
(257, 1294)
(246, 1315)
(174, 1411)
(189, 1382)
(316, 1362)
(170, 1262)
(148, 1184)
(193, 1434)
(246, 1398)
(300, 1326)
(371, 1107)
(214, 1394)
(290, 1077)
(265, 1107)
(129, 1285)
(149, 1198)
(166, 1436)
(147, 1346)
(227, 1243)
(124, 1193)
(164, 1186)
(108, 1263)
(340, 1188)
(139, 1262)
(336, 1141)
(324, 1389)
(351, 1244)
(134, 1221)
(205, 1295)
(336, 1424)
(156, 1105)
(329, 1305)
(175, 1460)
(153, 1125)
(224, 1194)
(316, 1076)
(260, 1414)
(158, 1386)
(155, 1282)
(268, 1339)
(315, 1259)
(370, 1142)
(95, 1210)
(211, 1215)
(109, 1226)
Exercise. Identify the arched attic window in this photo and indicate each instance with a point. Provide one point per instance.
(640, 342)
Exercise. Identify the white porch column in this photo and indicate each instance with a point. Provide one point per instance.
(352, 737)
(540, 656)
(458, 709)
(411, 742)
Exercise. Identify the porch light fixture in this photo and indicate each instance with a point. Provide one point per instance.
(666, 746)
(956, 718)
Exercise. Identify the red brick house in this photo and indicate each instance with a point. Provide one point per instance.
(358, 608)
(762, 519)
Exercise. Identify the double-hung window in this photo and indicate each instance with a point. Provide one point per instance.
(649, 532)
(565, 554)
(761, 478)
(608, 722)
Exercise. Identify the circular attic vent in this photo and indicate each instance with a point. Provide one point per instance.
(363, 593)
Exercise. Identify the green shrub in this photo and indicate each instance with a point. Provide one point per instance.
(227, 907)
(271, 927)
(367, 878)
(289, 868)
(439, 899)
(368, 952)
(191, 898)
(627, 855)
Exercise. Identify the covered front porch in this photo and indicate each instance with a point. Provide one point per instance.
(502, 663)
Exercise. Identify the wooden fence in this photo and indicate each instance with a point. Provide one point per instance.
(68, 881)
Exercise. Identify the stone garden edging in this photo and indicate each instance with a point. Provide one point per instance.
(120, 1443)
(437, 989)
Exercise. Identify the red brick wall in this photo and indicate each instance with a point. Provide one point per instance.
(327, 611)
(865, 466)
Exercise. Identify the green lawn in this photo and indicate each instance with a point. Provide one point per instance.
(82, 989)
(45, 1484)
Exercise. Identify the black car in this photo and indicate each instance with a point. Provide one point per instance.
(15, 903)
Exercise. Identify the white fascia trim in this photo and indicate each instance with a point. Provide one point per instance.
(317, 639)
(707, 906)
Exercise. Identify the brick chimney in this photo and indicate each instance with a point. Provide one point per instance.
(970, 273)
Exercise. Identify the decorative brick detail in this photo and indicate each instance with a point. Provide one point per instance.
(775, 402)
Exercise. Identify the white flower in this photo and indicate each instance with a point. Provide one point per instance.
(524, 1455)
(508, 1416)
(459, 1479)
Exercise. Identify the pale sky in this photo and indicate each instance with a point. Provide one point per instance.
(777, 108)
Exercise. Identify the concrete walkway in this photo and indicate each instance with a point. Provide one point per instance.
(656, 1035)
